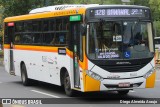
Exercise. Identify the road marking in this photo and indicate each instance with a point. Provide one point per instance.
(17, 106)
(45, 94)
(132, 91)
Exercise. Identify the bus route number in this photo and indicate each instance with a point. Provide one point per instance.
(100, 12)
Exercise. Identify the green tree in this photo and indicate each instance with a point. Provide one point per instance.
(140, 2)
(20, 7)
(97, 1)
(155, 9)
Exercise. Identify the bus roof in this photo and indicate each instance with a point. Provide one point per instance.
(59, 7)
(66, 12)
(62, 10)
(66, 6)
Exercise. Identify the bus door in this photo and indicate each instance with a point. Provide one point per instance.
(75, 32)
(11, 42)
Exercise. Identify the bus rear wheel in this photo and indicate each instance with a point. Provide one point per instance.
(123, 92)
(24, 76)
(67, 85)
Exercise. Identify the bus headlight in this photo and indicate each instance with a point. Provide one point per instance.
(149, 73)
(94, 75)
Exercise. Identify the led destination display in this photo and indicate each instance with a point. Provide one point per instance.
(119, 13)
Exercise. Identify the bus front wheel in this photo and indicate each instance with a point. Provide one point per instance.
(67, 85)
(24, 76)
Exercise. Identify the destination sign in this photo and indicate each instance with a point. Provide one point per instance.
(119, 13)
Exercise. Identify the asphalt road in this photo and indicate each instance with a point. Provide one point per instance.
(11, 87)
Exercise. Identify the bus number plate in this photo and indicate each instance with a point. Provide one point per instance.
(127, 84)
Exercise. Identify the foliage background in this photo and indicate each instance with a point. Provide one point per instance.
(20, 7)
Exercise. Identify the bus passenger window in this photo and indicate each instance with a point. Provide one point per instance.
(48, 39)
(17, 38)
(52, 39)
(52, 25)
(19, 27)
(36, 26)
(28, 26)
(37, 39)
(27, 39)
(65, 24)
(56, 42)
(62, 39)
(45, 25)
(58, 24)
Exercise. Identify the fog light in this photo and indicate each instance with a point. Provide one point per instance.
(94, 75)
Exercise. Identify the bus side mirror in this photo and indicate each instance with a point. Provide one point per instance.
(83, 29)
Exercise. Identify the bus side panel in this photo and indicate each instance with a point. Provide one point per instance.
(6, 59)
(17, 56)
(37, 64)
(59, 62)
(22, 56)
(41, 65)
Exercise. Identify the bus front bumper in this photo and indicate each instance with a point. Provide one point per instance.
(128, 84)
(119, 84)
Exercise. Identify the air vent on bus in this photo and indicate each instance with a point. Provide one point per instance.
(126, 68)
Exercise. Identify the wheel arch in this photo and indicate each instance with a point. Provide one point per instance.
(22, 62)
(62, 73)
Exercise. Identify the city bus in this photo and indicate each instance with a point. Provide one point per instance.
(86, 48)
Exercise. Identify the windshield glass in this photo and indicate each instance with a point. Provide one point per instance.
(119, 40)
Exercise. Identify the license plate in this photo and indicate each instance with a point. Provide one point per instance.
(127, 84)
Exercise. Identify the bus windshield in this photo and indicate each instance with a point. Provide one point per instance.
(119, 40)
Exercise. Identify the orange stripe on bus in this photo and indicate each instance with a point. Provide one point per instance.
(69, 53)
(6, 46)
(81, 64)
(36, 48)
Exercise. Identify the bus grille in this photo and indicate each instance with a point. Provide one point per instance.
(128, 68)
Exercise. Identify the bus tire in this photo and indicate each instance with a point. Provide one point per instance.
(24, 76)
(123, 92)
(67, 85)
